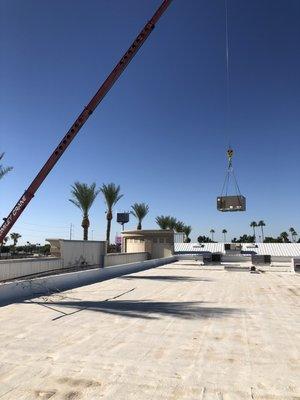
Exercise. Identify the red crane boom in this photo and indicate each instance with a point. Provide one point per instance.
(81, 120)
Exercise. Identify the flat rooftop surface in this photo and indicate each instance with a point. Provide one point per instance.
(170, 333)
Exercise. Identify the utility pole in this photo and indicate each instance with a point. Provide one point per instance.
(71, 231)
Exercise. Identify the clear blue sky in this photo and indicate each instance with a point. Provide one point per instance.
(160, 133)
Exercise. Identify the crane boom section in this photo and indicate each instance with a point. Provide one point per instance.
(81, 120)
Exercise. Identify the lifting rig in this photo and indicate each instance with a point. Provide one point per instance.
(81, 120)
(235, 202)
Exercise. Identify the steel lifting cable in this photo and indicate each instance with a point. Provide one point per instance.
(228, 111)
(228, 106)
(229, 172)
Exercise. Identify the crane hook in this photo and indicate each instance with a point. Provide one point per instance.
(229, 156)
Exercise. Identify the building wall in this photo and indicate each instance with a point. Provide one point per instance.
(12, 269)
(161, 250)
(124, 258)
(158, 243)
(76, 253)
(71, 253)
(133, 245)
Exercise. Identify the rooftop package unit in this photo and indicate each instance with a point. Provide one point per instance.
(260, 259)
(233, 247)
(230, 203)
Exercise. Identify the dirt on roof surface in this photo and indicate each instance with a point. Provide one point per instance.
(173, 332)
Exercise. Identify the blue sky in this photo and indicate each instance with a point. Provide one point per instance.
(161, 131)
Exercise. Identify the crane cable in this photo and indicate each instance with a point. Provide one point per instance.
(230, 171)
(228, 113)
(228, 106)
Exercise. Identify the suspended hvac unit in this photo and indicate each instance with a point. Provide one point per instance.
(230, 203)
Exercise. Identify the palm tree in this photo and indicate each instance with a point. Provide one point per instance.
(187, 229)
(111, 193)
(83, 198)
(3, 170)
(15, 237)
(254, 225)
(293, 234)
(140, 210)
(284, 237)
(163, 221)
(212, 234)
(261, 223)
(172, 223)
(224, 234)
(179, 226)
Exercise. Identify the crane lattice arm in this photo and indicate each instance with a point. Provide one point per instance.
(81, 120)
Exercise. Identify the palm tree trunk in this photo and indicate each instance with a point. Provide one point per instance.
(139, 227)
(85, 225)
(85, 233)
(262, 233)
(108, 228)
(254, 233)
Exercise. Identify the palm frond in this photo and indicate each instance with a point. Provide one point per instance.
(162, 221)
(3, 170)
(179, 226)
(139, 210)
(187, 229)
(83, 196)
(111, 193)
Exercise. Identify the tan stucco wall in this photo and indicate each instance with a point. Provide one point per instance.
(158, 243)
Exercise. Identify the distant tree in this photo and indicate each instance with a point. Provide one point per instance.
(83, 197)
(293, 234)
(244, 239)
(204, 239)
(187, 229)
(15, 237)
(261, 223)
(270, 239)
(111, 193)
(254, 225)
(162, 221)
(224, 234)
(284, 236)
(139, 211)
(168, 222)
(3, 170)
(212, 231)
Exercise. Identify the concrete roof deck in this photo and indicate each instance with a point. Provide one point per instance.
(171, 333)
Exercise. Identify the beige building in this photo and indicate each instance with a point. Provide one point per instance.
(158, 243)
